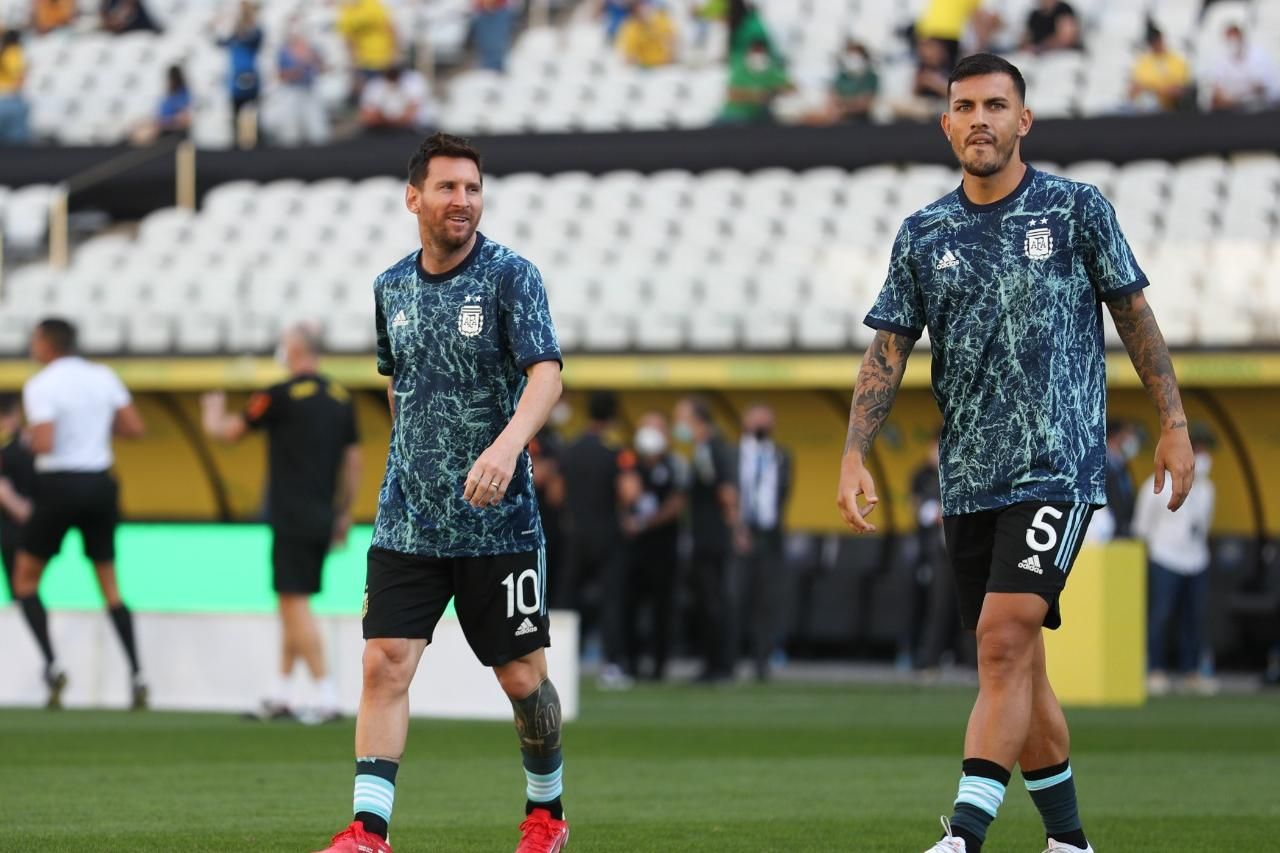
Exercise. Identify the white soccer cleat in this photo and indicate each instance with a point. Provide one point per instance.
(1060, 847)
(948, 844)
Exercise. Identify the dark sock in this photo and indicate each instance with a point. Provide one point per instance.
(554, 806)
(1053, 790)
(38, 620)
(123, 620)
(375, 793)
(982, 787)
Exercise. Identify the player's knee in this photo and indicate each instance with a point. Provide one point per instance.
(519, 679)
(388, 666)
(1005, 650)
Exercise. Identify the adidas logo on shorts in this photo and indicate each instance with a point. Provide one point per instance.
(1032, 564)
(526, 627)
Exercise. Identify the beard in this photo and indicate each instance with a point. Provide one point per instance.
(443, 236)
(982, 167)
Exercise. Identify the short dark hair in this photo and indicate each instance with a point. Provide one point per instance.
(701, 409)
(59, 334)
(9, 403)
(441, 145)
(602, 406)
(981, 64)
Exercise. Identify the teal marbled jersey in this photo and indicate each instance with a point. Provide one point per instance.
(456, 347)
(1011, 293)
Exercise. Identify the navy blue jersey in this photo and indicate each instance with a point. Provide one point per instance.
(1011, 294)
(456, 347)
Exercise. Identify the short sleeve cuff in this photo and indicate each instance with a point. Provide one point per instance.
(886, 326)
(550, 355)
(386, 368)
(1132, 287)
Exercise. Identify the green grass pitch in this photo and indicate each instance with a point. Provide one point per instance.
(777, 768)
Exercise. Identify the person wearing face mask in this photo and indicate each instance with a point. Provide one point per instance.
(314, 470)
(1244, 78)
(757, 76)
(764, 485)
(1178, 559)
(652, 491)
(713, 516)
(853, 90)
(1123, 445)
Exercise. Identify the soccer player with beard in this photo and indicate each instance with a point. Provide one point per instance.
(465, 334)
(1009, 272)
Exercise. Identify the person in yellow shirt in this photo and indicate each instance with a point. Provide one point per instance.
(13, 109)
(370, 35)
(648, 37)
(947, 20)
(1161, 79)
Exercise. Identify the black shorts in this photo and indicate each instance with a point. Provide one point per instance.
(501, 600)
(297, 563)
(1026, 547)
(63, 500)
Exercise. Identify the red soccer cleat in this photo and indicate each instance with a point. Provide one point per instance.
(541, 833)
(354, 839)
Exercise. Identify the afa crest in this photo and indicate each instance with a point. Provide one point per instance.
(470, 321)
(1039, 242)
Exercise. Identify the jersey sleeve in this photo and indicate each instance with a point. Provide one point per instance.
(38, 404)
(900, 306)
(526, 317)
(120, 396)
(1112, 268)
(386, 359)
(265, 407)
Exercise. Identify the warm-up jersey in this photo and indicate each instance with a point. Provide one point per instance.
(1011, 294)
(456, 347)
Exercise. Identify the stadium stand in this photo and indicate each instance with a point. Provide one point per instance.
(767, 261)
(87, 87)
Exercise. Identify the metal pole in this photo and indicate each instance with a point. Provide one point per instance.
(59, 229)
(185, 174)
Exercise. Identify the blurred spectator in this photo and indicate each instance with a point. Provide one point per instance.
(653, 491)
(242, 46)
(49, 15)
(648, 37)
(371, 38)
(948, 21)
(1178, 573)
(1161, 79)
(14, 129)
(301, 116)
(1052, 25)
(613, 13)
(942, 631)
(545, 452)
(1123, 444)
(713, 512)
(764, 486)
(854, 89)
(173, 115)
(126, 16)
(929, 91)
(400, 99)
(756, 77)
(491, 25)
(1244, 78)
(593, 534)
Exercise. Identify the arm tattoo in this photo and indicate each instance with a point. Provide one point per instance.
(538, 721)
(878, 381)
(1150, 356)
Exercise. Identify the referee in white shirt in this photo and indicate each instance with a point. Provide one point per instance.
(73, 408)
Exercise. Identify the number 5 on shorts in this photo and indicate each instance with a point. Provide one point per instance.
(1039, 525)
(516, 593)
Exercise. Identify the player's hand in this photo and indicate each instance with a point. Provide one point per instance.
(855, 481)
(213, 402)
(341, 529)
(1175, 457)
(486, 484)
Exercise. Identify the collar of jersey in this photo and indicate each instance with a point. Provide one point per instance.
(429, 278)
(999, 203)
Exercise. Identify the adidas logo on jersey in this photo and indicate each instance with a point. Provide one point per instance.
(526, 627)
(400, 320)
(948, 261)
(1032, 564)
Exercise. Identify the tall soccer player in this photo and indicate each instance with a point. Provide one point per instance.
(1008, 272)
(465, 334)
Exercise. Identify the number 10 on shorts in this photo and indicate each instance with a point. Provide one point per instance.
(516, 589)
